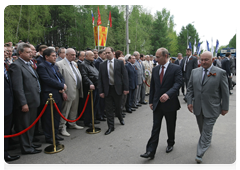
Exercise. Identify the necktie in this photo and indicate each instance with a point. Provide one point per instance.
(161, 75)
(5, 72)
(30, 67)
(78, 79)
(185, 68)
(205, 75)
(52, 66)
(111, 73)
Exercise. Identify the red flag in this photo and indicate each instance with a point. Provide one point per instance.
(99, 22)
(110, 19)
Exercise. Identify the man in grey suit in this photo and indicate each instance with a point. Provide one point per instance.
(207, 97)
(141, 78)
(26, 90)
(188, 64)
(61, 54)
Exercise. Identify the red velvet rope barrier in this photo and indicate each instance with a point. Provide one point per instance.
(147, 84)
(79, 115)
(25, 130)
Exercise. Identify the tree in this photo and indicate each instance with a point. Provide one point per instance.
(232, 42)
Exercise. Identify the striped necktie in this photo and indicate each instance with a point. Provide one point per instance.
(111, 73)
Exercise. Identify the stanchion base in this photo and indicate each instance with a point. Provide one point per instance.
(50, 149)
(91, 130)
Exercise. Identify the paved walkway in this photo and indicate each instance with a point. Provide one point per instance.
(126, 143)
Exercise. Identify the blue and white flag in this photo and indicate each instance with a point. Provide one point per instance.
(195, 47)
(212, 49)
(199, 49)
(190, 46)
(217, 46)
(207, 46)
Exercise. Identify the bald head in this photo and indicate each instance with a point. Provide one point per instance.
(70, 54)
(206, 59)
(89, 56)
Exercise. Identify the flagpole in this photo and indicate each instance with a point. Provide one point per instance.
(98, 38)
(107, 34)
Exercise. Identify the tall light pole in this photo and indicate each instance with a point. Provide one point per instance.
(127, 36)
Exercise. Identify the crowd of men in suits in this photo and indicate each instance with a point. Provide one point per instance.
(119, 84)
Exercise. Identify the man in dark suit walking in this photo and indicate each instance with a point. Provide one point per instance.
(8, 108)
(112, 83)
(163, 100)
(178, 62)
(226, 66)
(133, 82)
(188, 64)
(26, 90)
(51, 82)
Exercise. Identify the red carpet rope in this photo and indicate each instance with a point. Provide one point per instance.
(85, 105)
(25, 130)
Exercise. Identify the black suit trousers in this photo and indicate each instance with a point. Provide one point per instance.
(158, 115)
(7, 131)
(130, 98)
(113, 100)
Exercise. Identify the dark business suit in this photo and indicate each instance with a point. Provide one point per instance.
(192, 63)
(101, 105)
(51, 83)
(177, 62)
(226, 66)
(8, 108)
(133, 82)
(113, 93)
(171, 84)
(40, 60)
(26, 90)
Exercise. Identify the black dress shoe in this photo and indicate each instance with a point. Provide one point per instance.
(96, 122)
(123, 116)
(101, 119)
(50, 141)
(104, 116)
(129, 111)
(11, 158)
(88, 125)
(139, 105)
(123, 110)
(133, 109)
(148, 155)
(35, 151)
(143, 102)
(109, 131)
(230, 93)
(59, 138)
(122, 122)
(169, 149)
(36, 145)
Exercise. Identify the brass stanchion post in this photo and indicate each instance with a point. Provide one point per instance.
(53, 148)
(94, 129)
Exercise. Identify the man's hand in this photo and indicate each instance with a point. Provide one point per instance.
(25, 108)
(151, 106)
(65, 96)
(224, 112)
(101, 95)
(125, 92)
(92, 87)
(164, 98)
(190, 108)
(65, 87)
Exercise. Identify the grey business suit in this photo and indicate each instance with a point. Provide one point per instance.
(208, 100)
(141, 77)
(26, 91)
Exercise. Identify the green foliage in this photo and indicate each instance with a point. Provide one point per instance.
(232, 42)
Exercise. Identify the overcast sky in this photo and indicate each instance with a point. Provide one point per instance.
(212, 19)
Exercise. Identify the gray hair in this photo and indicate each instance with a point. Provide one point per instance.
(164, 51)
(127, 57)
(135, 53)
(52, 47)
(21, 47)
(60, 49)
(179, 54)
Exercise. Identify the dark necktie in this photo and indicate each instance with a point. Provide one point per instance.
(186, 63)
(205, 75)
(5, 72)
(78, 79)
(161, 75)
